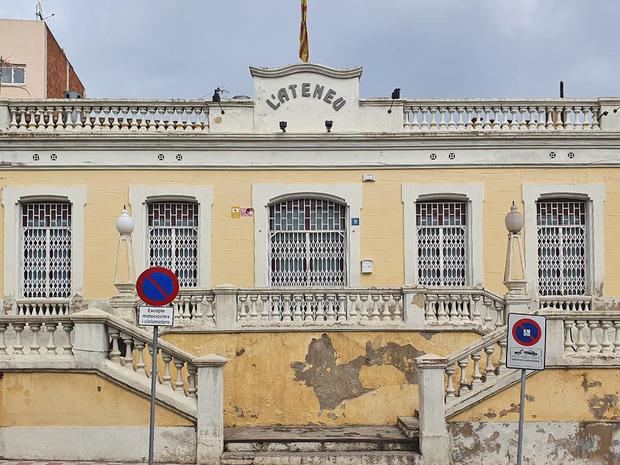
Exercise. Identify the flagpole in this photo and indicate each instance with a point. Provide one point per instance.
(304, 51)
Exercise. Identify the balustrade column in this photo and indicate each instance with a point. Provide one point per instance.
(434, 443)
(210, 411)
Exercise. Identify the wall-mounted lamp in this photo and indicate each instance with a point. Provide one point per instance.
(395, 96)
(283, 125)
(329, 125)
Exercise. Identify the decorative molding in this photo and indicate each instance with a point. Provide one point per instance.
(11, 198)
(474, 193)
(203, 195)
(264, 194)
(595, 194)
(297, 154)
(313, 68)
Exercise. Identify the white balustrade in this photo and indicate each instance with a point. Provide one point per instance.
(195, 306)
(467, 306)
(471, 368)
(500, 115)
(42, 307)
(568, 303)
(319, 306)
(90, 115)
(131, 348)
(591, 334)
(27, 335)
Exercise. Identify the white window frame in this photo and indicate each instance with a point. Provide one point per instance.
(594, 195)
(139, 196)
(264, 194)
(12, 67)
(12, 198)
(473, 194)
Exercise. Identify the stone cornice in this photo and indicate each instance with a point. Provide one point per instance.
(313, 68)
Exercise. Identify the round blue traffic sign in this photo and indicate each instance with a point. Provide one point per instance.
(526, 332)
(157, 286)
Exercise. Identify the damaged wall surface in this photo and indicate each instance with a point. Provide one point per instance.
(333, 378)
(546, 443)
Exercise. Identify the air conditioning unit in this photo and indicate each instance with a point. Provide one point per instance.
(72, 94)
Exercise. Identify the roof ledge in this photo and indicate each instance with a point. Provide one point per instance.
(306, 68)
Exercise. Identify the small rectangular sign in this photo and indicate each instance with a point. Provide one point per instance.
(156, 316)
(526, 341)
(247, 212)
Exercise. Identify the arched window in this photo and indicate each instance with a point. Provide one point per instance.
(441, 227)
(46, 249)
(307, 242)
(562, 244)
(173, 238)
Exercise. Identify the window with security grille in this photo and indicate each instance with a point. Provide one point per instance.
(307, 243)
(173, 239)
(562, 244)
(46, 249)
(441, 227)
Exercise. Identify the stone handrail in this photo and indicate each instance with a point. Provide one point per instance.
(98, 338)
(46, 335)
(473, 370)
(96, 115)
(319, 306)
(459, 306)
(593, 334)
(194, 307)
(568, 303)
(501, 115)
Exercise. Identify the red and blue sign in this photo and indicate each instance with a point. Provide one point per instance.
(526, 332)
(157, 286)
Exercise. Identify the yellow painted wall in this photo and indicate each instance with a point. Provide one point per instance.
(367, 377)
(555, 395)
(74, 399)
(381, 221)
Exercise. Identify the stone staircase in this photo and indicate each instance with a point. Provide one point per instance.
(373, 445)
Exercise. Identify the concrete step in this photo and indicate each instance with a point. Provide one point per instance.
(322, 458)
(410, 426)
(317, 439)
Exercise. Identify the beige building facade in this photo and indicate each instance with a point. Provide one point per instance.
(344, 257)
(34, 66)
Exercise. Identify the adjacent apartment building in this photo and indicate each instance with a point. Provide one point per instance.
(34, 65)
(342, 263)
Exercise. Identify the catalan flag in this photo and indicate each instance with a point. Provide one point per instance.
(304, 52)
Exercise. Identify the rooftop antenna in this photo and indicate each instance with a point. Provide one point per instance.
(38, 12)
(561, 89)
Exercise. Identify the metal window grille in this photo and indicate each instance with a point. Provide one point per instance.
(562, 243)
(46, 249)
(442, 243)
(307, 243)
(173, 239)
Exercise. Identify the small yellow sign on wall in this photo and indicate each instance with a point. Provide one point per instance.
(235, 212)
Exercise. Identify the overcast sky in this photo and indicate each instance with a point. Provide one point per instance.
(432, 48)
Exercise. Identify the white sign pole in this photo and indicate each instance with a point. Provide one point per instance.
(153, 390)
(521, 419)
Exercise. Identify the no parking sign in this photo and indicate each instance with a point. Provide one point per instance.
(526, 341)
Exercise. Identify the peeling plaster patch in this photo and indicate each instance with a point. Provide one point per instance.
(427, 335)
(530, 398)
(599, 406)
(514, 408)
(586, 385)
(333, 383)
(547, 443)
(240, 352)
